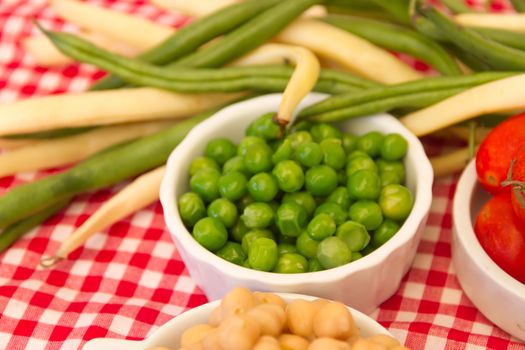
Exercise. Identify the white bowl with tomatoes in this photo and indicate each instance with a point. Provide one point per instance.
(488, 246)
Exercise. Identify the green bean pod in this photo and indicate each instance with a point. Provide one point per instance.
(12, 233)
(417, 100)
(249, 35)
(418, 86)
(195, 34)
(401, 39)
(457, 6)
(505, 37)
(104, 169)
(519, 5)
(498, 56)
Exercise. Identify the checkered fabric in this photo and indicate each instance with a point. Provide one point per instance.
(128, 280)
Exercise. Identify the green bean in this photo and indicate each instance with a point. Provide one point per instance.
(263, 78)
(415, 100)
(249, 35)
(51, 134)
(519, 5)
(474, 63)
(417, 86)
(13, 232)
(397, 38)
(457, 6)
(101, 170)
(195, 34)
(399, 9)
(357, 8)
(498, 56)
(505, 37)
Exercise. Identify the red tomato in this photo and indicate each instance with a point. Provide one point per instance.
(497, 150)
(517, 182)
(502, 235)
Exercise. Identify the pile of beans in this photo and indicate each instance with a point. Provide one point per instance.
(315, 199)
(263, 321)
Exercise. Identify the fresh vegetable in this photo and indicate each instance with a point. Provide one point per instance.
(496, 152)
(502, 235)
(348, 50)
(507, 21)
(516, 181)
(194, 8)
(293, 207)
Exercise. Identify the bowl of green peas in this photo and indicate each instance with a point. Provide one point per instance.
(331, 210)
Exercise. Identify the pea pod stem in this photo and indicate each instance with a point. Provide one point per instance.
(496, 55)
(425, 85)
(414, 100)
(399, 39)
(194, 35)
(498, 96)
(101, 170)
(15, 231)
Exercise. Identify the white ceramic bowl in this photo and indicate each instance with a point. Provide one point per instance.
(495, 293)
(362, 284)
(169, 334)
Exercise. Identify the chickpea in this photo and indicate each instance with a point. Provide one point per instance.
(293, 342)
(271, 318)
(237, 301)
(215, 317)
(399, 347)
(238, 332)
(300, 314)
(194, 335)
(329, 344)
(383, 339)
(333, 320)
(362, 344)
(211, 341)
(269, 298)
(267, 343)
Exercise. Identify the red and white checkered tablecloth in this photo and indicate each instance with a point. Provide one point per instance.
(128, 280)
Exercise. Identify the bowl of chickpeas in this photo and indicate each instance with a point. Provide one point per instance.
(246, 320)
(330, 210)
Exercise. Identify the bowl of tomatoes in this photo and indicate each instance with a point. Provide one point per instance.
(488, 246)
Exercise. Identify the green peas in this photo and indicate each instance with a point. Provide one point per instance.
(321, 180)
(283, 152)
(321, 131)
(246, 143)
(206, 184)
(340, 197)
(299, 137)
(252, 235)
(356, 256)
(220, 150)
(342, 179)
(307, 246)
(238, 231)
(264, 127)
(191, 208)
(210, 233)
(262, 187)
(309, 154)
(303, 199)
(232, 252)
(263, 254)
(258, 215)
(394, 147)
(360, 162)
(232, 185)
(285, 248)
(367, 213)
(337, 213)
(303, 125)
(395, 170)
(291, 219)
(201, 163)
(356, 153)
(396, 202)
(333, 252)
(282, 239)
(245, 201)
(314, 265)
(291, 263)
(384, 232)
(333, 153)
(364, 184)
(354, 235)
(224, 210)
(289, 175)
(234, 164)
(349, 143)
(258, 158)
(389, 178)
(321, 226)
(371, 143)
